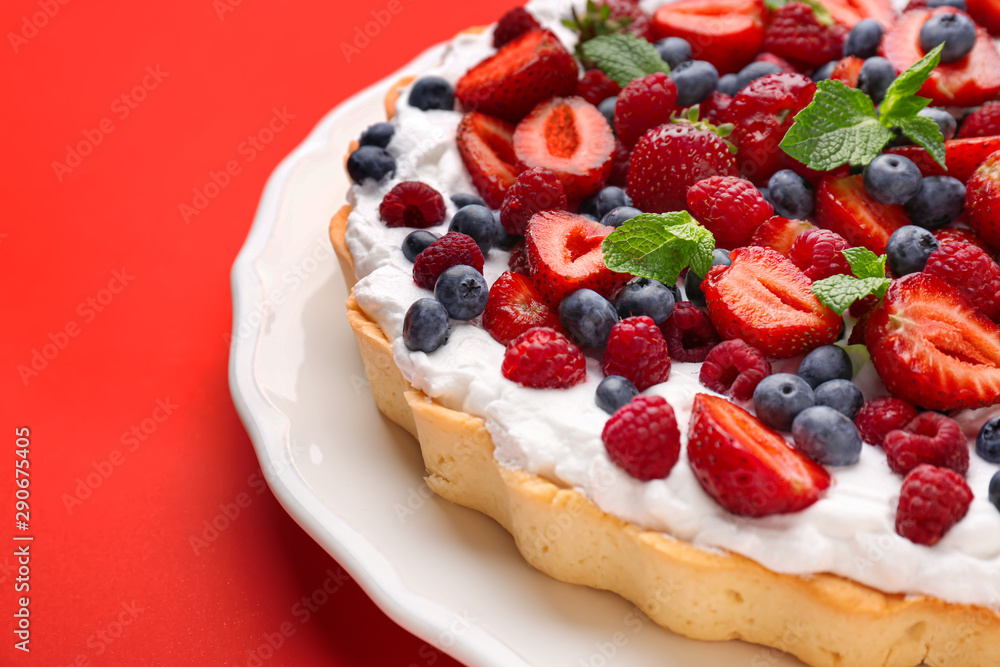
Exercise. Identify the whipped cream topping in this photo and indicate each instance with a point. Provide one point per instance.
(556, 434)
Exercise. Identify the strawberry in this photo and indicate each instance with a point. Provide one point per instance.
(747, 467)
(986, 13)
(726, 33)
(962, 156)
(595, 86)
(779, 233)
(671, 158)
(564, 252)
(486, 145)
(983, 122)
(967, 82)
(847, 71)
(843, 205)
(795, 32)
(761, 114)
(982, 201)
(931, 347)
(514, 307)
(849, 12)
(525, 71)
(572, 139)
(767, 302)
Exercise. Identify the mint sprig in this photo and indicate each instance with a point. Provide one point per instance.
(840, 126)
(623, 57)
(838, 292)
(659, 246)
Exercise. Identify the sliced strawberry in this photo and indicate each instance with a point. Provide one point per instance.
(747, 467)
(564, 252)
(932, 347)
(726, 33)
(843, 205)
(766, 301)
(986, 13)
(572, 139)
(486, 145)
(847, 71)
(962, 156)
(966, 83)
(982, 201)
(525, 71)
(514, 307)
(850, 12)
(779, 233)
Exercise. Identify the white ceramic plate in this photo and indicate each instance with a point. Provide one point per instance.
(353, 480)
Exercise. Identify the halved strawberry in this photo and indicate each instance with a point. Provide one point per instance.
(524, 72)
(932, 347)
(726, 33)
(486, 145)
(766, 301)
(564, 252)
(966, 83)
(847, 71)
(779, 233)
(849, 12)
(986, 13)
(514, 307)
(843, 205)
(962, 156)
(747, 467)
(572, 139)
(982, 201)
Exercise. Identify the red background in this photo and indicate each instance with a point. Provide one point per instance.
(125, 539)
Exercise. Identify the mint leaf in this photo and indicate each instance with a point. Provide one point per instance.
(823, 14)
(838, 127)
(838, 292)
(659, 246)
(901, 95)
(624, 57)
(925, 131)
(864, 263)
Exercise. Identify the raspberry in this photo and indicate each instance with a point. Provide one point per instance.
(595, 86)
(862, 307)
(880, 415)
(513, 24)
(970, 269)
(536, 190)
(983, 122)
(450, 250)
(636, 350)
(817, 253)
(543, 358)
(645, 103)
(735, 369)
(931, 501)
(619, 164)
(729, 207)
(796, 33)
(518, 262)
(689, 333)
(642, 438)
(931, 438)
(950, 234)
(412, 204)
(713, 110)
(639, 23)
(857, 336)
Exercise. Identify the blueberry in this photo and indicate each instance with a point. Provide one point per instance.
(696, 80)
(994, 492)
(607, 107)
(908, 249)
(614, 392)
(877, 74)
(755, 70)
(463, 292)
(946, 122)
(692, 281)
(475, 221)
(958, 4)
(643, 296)
(827, 436)
(610, 198)
(370, 162)
(791, 195)
(503, 240)
(826, 363)
(674, 50)
(416, 242)
(729, 84)
(939, 200)
(956, 31)
(864, 39)
(841, 395)
(432, 92)
(461, 200)
(616, 217)
(892, 179)
(426, 325)
(824, 71)
(378, 134)
(766, 194)
(780, 397)
(988, 441)
(587, 317)
(590, 216)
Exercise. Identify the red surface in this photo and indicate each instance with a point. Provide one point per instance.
(122, 551)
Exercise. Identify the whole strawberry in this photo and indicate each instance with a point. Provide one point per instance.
(729, 207)
(983, 122)
(982, 201)
(931, 501)
(543, 358)
(671, 158)
(642, 438)
(645, 103)
(637, 350)
(795, 32)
